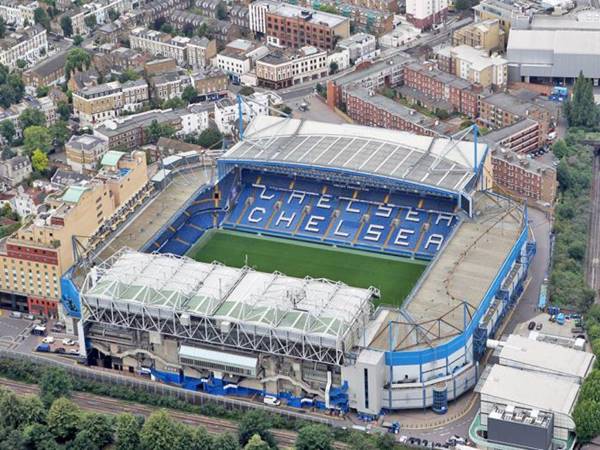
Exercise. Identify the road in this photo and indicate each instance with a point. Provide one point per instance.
(593, 255)
(106, 405)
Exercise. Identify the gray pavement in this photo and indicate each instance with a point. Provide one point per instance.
(317, 110)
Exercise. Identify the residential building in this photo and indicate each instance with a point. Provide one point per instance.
(523, 136)
(425, 14)
(34, 258)
(339, 59)
(18, 13)
(29, 44)
(238, 58)
(210, 8)
(84, 152)
(27, 202)
(239, 16)
(474, 65)
(505, 12)
(222, 31)
(108, 100)
(161, 8)
(16, 169)
(46, 73)
(195, 118)
(226, 112)
(162, 65)
(211, 83)
(446, 91)
(366, 107)
(502, 110)
(281, 69)
(287, 25)
(48, 107)
(361, 47)
(169, 85)
(485, 35)
(192, 52)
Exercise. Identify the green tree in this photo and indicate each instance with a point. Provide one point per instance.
(256, 443)
(37, 137)
(189, 93)
(113, 15)
(42, 91)
(159, 432)
(210, 138)
(55, 382)
(21, 63)
(157, 130)
(97, 429)
(60, 132)
(202, 440)
(331, 9)
(587, 420)
(7, 130)
(202, 30)
(166, 28)
(12, 411)
(64, 111)
(221, 11)
(90, 21)
(34, 411)
(2, 28)
(77, 40)
(41, 17)
(246, 90)
(127, 432)
(39, 160)
(333, 67)
(173, 103)
(128, 75)
(581, 110)
(37, 436)
(32, 117)
(12, 88)
(67, 25)
(255, 422)
(226, 441)
(63, 419)
(77, 59)
(314, 437)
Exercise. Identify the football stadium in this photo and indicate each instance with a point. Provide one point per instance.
(337, 267)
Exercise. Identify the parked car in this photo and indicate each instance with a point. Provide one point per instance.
(68, 342)
(60, 350)
(42, 348)
(539, 326)
(48, 340)
(73, 351)
(29, 316)
(531, 325)
(16, 315)
(270, 400)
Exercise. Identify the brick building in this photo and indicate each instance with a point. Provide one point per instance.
(524, 177)
(485, 35)
(521, 137)
(281, 69)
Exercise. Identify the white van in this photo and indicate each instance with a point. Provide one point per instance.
(270, 400)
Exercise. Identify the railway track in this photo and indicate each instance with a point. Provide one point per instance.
(593, 255)
(107, 405)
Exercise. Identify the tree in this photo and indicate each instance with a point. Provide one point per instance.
(221, 11)
(157, 130)
(67, 25)
(226, 441)
(64, 111)
(246, 90)
(77, 40)
(7, 130)
(127, 432)
(77, 59)
(328, 9)
(21, 63)
(587, 419)
(32, 117)
(55, 382)
(97, 430)
(333, 67)
(12, 411)
(255, 422)
(188, 30)
(189, 93)
(166, 28)
(210, 138)
(159, 432)
(201, 440)
(34, 411)
(60, 132)
(581, 110)
(41, 17)
(173, 103)
(90, 21)
(314, 437)
(202, 30)
(39, 161)
(37, 436)
(113, 15)
(256, 443)
(42, 91)
(37, 137)
(128, 75)
(2, 28)
(63, 419)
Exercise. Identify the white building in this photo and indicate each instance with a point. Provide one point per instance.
(29, 45)
(16, 13)
(341, 57)
(425, 14)
(361, 46)
(280, 69)
(476, 66)
(227, 111)
(195, 119)
(238, 58)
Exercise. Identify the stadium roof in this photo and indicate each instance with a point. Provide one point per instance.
(305, 305)
(439, 163)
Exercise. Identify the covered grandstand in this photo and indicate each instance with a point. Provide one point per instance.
(347, 186)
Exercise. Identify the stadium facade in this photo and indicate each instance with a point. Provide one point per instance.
(309, 341)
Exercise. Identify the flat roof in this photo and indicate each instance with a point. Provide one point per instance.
(530, 389)
(204, 354)
(462, 273)
(73, 193)
(288, 10)
(307, 305)
(111, 158)
(545, 356)
(421, 160)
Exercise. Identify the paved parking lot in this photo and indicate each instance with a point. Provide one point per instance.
(13, 332)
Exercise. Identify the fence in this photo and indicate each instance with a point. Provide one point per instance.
(192, 397)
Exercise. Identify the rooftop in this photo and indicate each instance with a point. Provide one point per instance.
(390, 154)
(529, 389)
(310, 15)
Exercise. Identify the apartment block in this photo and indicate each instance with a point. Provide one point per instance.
(169, 85)
(281, 69)
(34, 258)
(46, 73)
(18, 13)
(425, 14)
(502, 110)
(485, 35)
(524, 177)
(360, 46)
(452, 92)
(238, 58)
(287, 25)
(192, 52)
(366, 107)
(84, 152)
(15, 169)
(211, 83)
(97, 103)
(29, 44)
(474, 66)
(161, 65)
(521, 137)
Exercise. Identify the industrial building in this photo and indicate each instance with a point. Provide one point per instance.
(309, 341)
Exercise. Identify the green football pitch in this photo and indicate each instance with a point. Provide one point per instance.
(393, 276)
